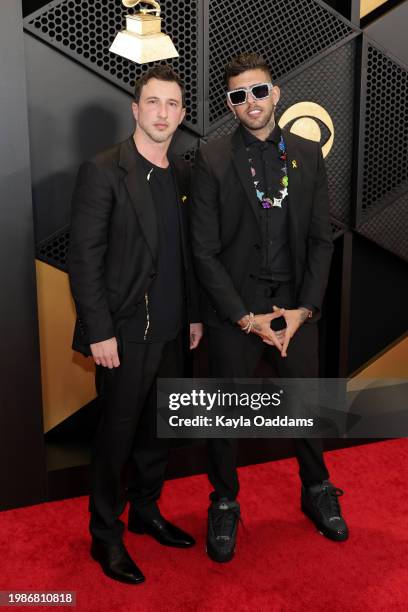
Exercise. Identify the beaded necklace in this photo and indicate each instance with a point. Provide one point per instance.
(264, 200)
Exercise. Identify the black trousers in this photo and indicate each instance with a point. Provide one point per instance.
(128, 462)
(236, 354)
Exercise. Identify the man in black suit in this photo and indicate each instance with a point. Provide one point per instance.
(262, 245)
(132, 281)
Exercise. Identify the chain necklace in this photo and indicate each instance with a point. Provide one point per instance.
(264, 200)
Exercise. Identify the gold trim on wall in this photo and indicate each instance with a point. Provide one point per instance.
(390, 368)
(67, 377)
(367, 6)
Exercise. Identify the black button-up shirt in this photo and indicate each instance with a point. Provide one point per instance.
(274, 222)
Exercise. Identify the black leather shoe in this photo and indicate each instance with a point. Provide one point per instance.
(321, 504)
(223, 518)
(116, 562)
(160, 529)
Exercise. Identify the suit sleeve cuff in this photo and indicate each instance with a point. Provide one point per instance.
(239, 316)
(313, 309)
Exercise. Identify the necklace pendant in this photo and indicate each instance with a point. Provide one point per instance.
(277, 203)
(266, 203)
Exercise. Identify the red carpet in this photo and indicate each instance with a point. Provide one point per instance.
(282, 563)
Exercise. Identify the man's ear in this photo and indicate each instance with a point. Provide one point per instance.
(230, 106)
(183, 114)
(275, 94)
(135, 110)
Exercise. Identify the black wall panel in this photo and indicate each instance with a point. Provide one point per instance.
(379, 301)
(22, 459)
(390, 31)
(329, 82)
(73, 114)
(383, 155)
(389, 228)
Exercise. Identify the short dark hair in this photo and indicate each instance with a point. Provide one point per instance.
(162, 73)
(244, 62)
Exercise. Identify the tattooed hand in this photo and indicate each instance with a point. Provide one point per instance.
(262, 327)
(294, 319)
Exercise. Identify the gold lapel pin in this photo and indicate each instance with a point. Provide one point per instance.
(294, 163)
(183, 198)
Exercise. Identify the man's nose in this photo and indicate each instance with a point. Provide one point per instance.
(163, 110)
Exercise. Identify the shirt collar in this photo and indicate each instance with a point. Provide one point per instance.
(250, 139)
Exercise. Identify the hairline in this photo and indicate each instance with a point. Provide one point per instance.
(264, 70)
(157, 97)
(181, 88)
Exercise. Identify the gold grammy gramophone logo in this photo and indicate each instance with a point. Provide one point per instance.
(304, 115)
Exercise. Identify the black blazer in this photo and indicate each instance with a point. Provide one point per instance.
(114, 242)
(225, 225)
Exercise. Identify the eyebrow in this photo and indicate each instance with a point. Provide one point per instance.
(167, 99)
(253, 85)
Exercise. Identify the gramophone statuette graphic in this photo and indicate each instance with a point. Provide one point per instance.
(143, 41)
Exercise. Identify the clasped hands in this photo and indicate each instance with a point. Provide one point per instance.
(261, 326)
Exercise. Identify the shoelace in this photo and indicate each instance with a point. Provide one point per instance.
(328, 498)
(223, 522)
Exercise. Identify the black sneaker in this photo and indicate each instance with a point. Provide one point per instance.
(223, 517)
(321, 504)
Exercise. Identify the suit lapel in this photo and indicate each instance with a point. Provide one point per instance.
(139, 193)
(240, 160)
(294, 166)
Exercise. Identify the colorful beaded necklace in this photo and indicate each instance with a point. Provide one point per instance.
(266, 201)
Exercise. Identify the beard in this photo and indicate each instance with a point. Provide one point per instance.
(158, 138)
(155, 135)
(259, 123)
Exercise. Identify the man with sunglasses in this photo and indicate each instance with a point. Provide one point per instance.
(262, 245)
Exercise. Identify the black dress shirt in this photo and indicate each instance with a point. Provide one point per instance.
(265, 159)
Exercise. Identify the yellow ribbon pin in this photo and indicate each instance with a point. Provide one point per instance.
(294, 163)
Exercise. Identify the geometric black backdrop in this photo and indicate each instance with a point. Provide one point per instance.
(382, 187)
(383, 175)
(85, 29)
(206, 35)
(315, 55)
(312, 52)
(328, 81)
(287, 32)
